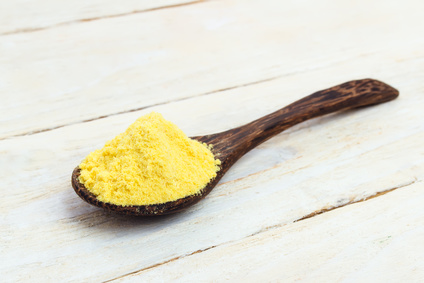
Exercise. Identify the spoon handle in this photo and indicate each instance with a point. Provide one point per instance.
(348, 95)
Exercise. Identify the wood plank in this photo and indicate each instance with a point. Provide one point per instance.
(120, 64)
(380, 240)
(320, 164)
(25, 16)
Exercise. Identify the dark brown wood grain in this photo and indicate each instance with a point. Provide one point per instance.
(230, 145)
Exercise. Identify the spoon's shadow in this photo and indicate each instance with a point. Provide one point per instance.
(88, 217)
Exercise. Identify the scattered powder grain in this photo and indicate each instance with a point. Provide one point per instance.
(152, 162)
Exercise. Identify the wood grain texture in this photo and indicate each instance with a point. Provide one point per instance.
(380, 240)
(231, 145)
(282, 180)
(116, 65)
(26, 16)
(213, 67)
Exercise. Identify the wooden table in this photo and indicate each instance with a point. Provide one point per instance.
(335, 198)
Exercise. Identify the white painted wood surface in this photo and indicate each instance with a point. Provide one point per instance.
(373, 239)
(210, 66)
(82, 71)
(20, 16)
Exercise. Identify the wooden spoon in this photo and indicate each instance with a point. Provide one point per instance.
(230, 145)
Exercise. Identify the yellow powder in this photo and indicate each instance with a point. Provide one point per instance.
(152, 162)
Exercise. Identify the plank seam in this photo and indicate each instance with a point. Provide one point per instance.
(27, 30)
(313, 214)
(161, 263)
(140, 108)
(378, 194)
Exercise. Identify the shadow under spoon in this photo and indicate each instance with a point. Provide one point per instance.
(230, 145)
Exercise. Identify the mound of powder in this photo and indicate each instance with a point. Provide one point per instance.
(152, 162)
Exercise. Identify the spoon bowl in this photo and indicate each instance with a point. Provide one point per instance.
(231, 145)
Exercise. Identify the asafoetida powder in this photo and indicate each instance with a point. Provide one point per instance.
(152, 162)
